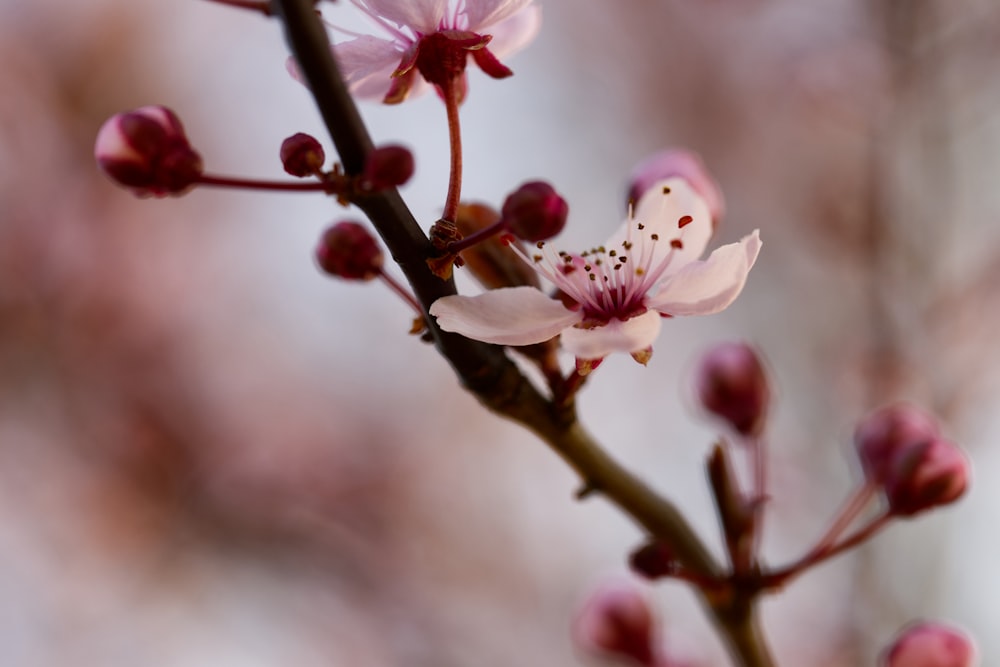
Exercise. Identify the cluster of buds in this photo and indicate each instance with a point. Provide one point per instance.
(903, 452)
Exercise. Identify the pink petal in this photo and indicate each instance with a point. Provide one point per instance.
(507, 316)
(632, 335)
(515, 31)
(367, 64)
(423, 16)
(661, 211)
(706, 287)
(482, 14)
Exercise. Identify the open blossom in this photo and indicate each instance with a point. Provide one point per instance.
(615, 295)
(434, 38)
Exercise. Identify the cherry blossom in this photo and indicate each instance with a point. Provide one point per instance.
(612, 298)
(434, 38)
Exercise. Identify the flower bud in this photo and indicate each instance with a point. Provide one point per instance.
(685, 164)
(930, 644)
(302, 155)
(146, 150)
(731, 384)
(616, 621)
(654, 560)
(347, 250)
(387, 167)
(534, 212)
(924, 476)
(884, 433)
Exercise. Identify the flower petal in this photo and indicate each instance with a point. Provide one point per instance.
(632, 335)
(484, 13)
(706, 287)
(367, 64)
(515, 32)
(507, 316)
(423, 16)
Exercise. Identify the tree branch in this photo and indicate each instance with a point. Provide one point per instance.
(485, 369)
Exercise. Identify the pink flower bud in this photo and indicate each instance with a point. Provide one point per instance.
(146, 150)
(927, 475)
(616, 621)
(387, 167)
(881, 435)
(302, 155)
(535, 212)
(347, 250)
(731, 384)
(677, 162)
(930, 644)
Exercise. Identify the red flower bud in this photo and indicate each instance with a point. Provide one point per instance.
(535, 212)
(730, 382)
(387, 167)
(347, 250)
(654, 560)
(924, 476)
(930, 644)
(884, 433)
(617, 621)
(677, 162)
(302, 155)
(146, 150)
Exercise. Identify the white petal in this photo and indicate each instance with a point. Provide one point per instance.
(484, 13)
(515, 32)
(662, 213)
(632, 335)
(423, 16)
(708, 286)
(507, 316)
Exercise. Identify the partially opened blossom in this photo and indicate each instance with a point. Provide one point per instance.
(433, 38)
(614, 296)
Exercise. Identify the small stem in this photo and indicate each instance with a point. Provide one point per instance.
(404, 293)
(262, 6)
(758, 446)
(450, 93)
(475, 237)
(781, 576)
(854, 505)
(253, 184)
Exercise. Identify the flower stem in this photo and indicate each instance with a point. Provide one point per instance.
(758, 448)
(252, 184)
(475, 237)
(404, 293)
(451, 92)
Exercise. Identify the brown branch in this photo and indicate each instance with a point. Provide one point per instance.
(485, 369)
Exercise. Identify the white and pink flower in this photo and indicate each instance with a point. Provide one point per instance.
(614, 296)
(434, 38)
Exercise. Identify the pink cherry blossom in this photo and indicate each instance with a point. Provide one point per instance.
(434, 38)
(615, 294)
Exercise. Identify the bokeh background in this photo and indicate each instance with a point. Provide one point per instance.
(211, 454)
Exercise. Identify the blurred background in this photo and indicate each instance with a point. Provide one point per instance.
(211, 454)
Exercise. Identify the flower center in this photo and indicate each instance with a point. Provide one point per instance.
(608, 283)
(442, 56)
